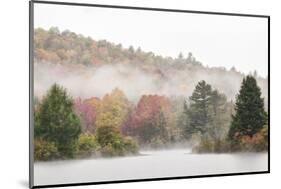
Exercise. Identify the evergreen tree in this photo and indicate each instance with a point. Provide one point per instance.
(56, 121)
(198, 116)
(180, 56)
(220, 114)
(183, 122)
(208, 113)
(250, 115)
(190, 58)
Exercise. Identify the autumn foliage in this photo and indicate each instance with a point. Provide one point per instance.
(87, 114)
(150, 120)
(113, 124)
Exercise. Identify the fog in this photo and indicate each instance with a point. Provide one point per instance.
(168, 163)
(217, 40)
(134, 81)
(93, 81)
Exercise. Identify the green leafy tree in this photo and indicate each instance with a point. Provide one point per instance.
(250, 115)
(56, 121)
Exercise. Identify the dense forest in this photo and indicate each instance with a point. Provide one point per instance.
(97, 98)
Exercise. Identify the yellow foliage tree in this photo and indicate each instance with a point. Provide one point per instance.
(113, 109)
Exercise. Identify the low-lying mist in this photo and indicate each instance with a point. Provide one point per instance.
(134, 81)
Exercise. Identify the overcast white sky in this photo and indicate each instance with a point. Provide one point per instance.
(213, 39)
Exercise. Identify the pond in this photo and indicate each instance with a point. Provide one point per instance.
(150, 164)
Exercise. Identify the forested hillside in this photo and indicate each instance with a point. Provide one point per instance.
(78, 54)
(99, 98)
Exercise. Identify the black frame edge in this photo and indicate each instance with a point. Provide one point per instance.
(150, 179)
(268, 74)
(149, 8)
(31, 34)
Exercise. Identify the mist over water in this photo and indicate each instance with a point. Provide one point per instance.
(86, 82)
(168, 163)
(172, 79)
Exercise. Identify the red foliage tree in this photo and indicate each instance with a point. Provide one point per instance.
(149, 121)
(87, 114)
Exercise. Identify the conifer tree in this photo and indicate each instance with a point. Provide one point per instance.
(220, 114)
(250, 115)
(207, 113)
(198, 116)
(56, 121)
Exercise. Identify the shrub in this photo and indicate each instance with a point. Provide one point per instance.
(130, 145)
(106, 135)
(44, 150)
(262, 144)
(157, 143)
(108, 150)
(87, 144)
(209, 145)
(258, 142)
(205, 146)
(112, 143)
(115, 148)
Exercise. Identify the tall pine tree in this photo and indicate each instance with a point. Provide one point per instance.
(250, 115)
(208, 113)
(198, 116)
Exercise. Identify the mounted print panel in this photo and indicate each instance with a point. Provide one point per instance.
(122, 94)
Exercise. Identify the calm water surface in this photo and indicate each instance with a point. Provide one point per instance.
(151, 164)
